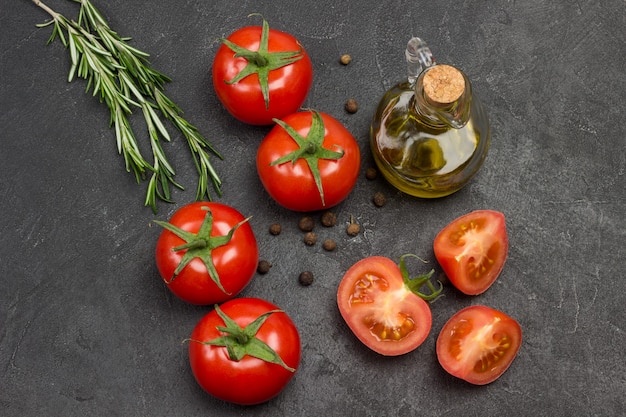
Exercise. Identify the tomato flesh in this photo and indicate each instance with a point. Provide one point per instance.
(478, 344)
(472, 250)
(382, 313)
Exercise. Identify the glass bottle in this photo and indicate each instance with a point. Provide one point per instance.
(429, 135)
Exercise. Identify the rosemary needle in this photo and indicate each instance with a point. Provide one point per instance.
(122, 77)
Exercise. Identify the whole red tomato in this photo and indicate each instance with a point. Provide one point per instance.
(309, 161)
(478, 344)
(384, 307)
(260, 74)
(207, 253)
(245, 351)
(472, 250)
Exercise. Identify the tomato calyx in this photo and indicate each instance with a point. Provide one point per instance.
(310, 149)
(261, 62)
(240, 342)
(415, 284)
(200, 245)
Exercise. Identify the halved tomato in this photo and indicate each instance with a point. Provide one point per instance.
(384, 307)
(478, 344)
(472, 250)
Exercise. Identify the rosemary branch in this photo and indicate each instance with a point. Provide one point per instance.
(124, 79)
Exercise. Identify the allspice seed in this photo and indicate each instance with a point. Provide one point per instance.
(379, 199)
(329, 245)
(263, 267)
(306, 278)
(352, 106)
(353, 229)
(306, 224)
(275, 229)
(345, 59)
(371, 173)
(329, 219)
(310, 239)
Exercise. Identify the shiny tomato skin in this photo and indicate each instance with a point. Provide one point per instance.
(288, 86)
(478, 344)
(372, 289)
(292, 185)
(235, 262)
(472, 250)
(251, 380)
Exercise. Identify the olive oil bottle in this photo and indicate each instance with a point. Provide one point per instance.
(429, 135)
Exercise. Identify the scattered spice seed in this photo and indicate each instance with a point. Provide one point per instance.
(371, 173)
(353, 228)
(379, 199)
(352, 106)
(329, 245)
(306, 224)
(306, 278)
(263, 267)
(275, 229)
(310, 239)
(345, 59)
(329, 219)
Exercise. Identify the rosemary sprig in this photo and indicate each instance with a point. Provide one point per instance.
(123, 78)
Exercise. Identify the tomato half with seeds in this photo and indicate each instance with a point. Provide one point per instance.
(472, 250)
(260, 74)
(383, 307)
(207, 253)
(245, 351)
(309, 161)
(478, 344)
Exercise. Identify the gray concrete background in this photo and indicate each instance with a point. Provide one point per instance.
(88, 328)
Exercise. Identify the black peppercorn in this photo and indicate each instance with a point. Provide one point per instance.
(379, 199)
(263, 267)
(306, 278)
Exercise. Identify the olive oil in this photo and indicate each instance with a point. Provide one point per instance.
(429, 135)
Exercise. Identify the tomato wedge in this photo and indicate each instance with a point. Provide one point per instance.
(384, 307)
(472, 250)
(478, 344)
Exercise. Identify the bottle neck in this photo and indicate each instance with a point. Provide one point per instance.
(443, 97)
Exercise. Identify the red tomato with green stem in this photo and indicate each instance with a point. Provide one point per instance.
(472, 250)
(260, 74)
(478, 344)
(207, 253)
(309, 161)
(384, 307)
(245, 351)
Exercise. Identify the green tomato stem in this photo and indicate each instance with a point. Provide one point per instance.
(416, 284)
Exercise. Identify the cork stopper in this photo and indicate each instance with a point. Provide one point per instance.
(443, 84)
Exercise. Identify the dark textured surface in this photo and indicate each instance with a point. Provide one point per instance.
(88, 328)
